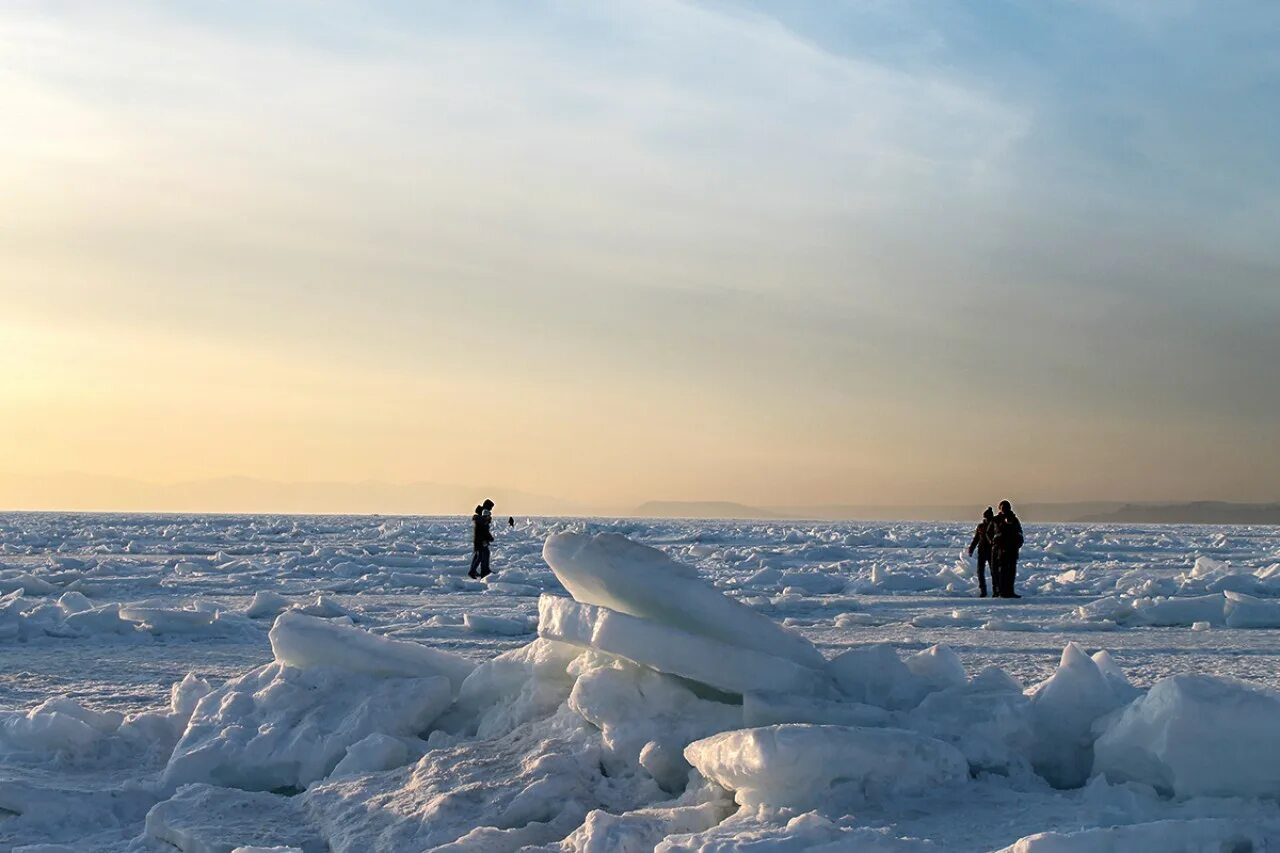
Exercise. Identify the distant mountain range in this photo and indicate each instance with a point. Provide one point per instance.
(1195, 512)
(83, 492)
(1192, 512)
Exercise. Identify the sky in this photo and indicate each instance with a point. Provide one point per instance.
(778, 253)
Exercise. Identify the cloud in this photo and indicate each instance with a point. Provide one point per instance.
(815, 229)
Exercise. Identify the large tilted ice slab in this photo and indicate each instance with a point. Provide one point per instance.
(289, 723)
(801, 766)
(729, 668)
(309, 641)
(609, 570)
(1194, 735)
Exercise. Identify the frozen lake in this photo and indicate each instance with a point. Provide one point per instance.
(112, 610)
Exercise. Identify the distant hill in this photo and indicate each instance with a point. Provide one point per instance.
(1032, 512)
(1194, 512)
(252, 495)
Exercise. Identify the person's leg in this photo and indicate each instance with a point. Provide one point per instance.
(1011, 574)
(982, 574)
(475, 561)
(484, 561)
(997, 574)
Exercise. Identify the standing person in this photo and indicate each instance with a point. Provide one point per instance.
(982, 542)
(481, 538)
(1005, 542)
(511, 521)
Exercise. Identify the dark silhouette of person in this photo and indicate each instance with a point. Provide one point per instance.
(982, 543)
(511, 521)
(1006, 539)
(481, 538)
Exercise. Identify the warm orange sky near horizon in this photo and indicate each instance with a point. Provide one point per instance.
(663, 251)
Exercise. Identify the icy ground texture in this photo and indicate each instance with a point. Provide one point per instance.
(223, 684)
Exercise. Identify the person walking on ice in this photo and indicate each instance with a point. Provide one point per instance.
(481, 538)
(982, 542)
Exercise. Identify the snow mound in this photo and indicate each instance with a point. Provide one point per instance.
(28, 584)
(266, 604)
(323, 607)
(515, 687)
(208, 819)
(1180, 612)
(989, 720)
(56, 725)
(374, 753)
(697, 657)
(641, 829)
(647, 719)
(1196, 735)
(874, 675)
(801, 766)
(283, 727)
(1245, 611)
(530, 786)
(279, 727)
(104, 619)
(165, 620)
(499, 625)
(1064, 708)
(609, 570)
(938, 667)
(902, 580)
(1200, 835)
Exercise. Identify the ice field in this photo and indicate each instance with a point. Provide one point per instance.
(320, 683)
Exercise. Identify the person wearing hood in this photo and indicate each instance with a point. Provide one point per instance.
(1006, 540)
(982, 543)
(481, 537)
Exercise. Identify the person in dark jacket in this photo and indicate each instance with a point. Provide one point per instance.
(481, 538)
(1006, 539)
(982, 543)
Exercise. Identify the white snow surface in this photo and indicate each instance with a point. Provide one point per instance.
(216, 683)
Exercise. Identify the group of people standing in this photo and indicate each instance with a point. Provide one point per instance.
(997, 540)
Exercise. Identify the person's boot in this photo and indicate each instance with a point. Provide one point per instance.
(982, 591)
(472, 574)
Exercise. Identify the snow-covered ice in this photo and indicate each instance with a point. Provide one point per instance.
(1196, 735)
(804, 766)
(339, 684)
